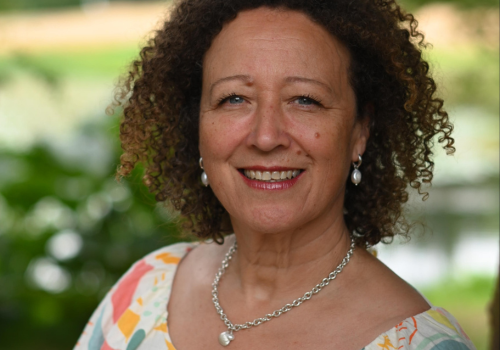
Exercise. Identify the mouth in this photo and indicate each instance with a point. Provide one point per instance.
(270, 176)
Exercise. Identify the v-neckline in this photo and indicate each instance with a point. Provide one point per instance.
(195, 244)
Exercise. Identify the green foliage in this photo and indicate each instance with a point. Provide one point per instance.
(20, 5)
(473, 75)
(477, 290)
(9, 5)
(52, 65)
(55, 188)
(21, 62)
(413, 4)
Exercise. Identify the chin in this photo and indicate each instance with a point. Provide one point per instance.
(272, 222)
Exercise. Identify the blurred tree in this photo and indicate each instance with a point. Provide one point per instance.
(68, 232)
(20, 5)
(9, 5)
(412, 4)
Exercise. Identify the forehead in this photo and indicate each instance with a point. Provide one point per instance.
(260, 37)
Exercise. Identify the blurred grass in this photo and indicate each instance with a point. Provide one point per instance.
(469, 75)
(468, 300)
(107, 63)
(415, 4)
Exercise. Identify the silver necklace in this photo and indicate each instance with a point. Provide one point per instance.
(226, 337)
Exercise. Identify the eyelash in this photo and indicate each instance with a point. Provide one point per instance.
(225, 98)
(314, 100)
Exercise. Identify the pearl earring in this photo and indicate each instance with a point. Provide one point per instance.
(204, 177)
(356, 174)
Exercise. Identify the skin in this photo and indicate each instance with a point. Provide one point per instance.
(276, 93)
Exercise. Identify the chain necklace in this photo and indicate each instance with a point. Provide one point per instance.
(226, 337)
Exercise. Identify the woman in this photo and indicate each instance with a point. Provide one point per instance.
(282, 104)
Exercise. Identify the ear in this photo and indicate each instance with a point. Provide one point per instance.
(361, 132)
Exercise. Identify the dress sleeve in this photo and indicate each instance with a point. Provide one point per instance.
(124, 312)
(435, 329)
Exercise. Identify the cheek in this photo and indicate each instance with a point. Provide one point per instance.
(209, 137)
(336, 144)
(219, 136)
(325, 140)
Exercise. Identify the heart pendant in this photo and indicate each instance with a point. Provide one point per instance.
(225, 338)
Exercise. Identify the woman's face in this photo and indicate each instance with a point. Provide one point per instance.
(277, 102)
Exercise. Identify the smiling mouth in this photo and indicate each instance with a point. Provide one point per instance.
(271, 176)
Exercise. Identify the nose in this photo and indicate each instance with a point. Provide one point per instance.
(269, 128)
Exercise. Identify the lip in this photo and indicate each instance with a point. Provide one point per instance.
(270, 186)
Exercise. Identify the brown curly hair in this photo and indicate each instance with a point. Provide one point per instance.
(391, 80)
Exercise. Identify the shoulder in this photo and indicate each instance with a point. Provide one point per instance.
(434, 329)
(203, 262)
(167, 256)
(155, 269)
(379, 288)
(400, 316)
(145, 285)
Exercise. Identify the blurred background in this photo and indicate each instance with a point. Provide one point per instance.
(68, 230)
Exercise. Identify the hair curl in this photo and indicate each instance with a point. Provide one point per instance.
(391, 80)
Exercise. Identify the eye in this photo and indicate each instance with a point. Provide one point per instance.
(304, 101)
(307, 101)
(235, 100)
(232, 99)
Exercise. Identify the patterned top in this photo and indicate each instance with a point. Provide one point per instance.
(133, 315)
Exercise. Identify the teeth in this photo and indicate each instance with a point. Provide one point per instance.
(274, 176)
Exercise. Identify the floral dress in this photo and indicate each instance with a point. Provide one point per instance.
(133, 315)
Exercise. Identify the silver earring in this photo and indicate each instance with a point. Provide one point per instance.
(204, 177)
(356, 174)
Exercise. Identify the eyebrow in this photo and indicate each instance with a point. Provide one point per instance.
(307, 80)
(247, 79)
(241, 77)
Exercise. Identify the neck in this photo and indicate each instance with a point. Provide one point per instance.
(272, 267)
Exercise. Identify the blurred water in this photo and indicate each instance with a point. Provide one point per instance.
(423, 264)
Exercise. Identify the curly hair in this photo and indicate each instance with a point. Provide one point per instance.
(391, 80)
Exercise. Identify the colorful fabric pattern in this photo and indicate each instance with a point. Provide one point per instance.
(133, 315)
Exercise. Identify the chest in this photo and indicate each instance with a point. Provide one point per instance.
(194, 324)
